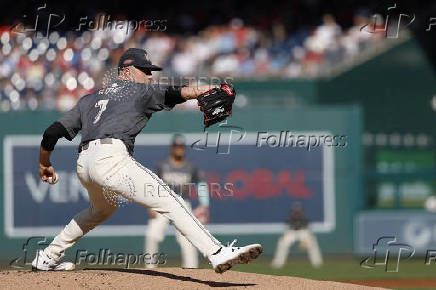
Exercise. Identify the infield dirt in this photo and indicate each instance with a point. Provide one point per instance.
(162, 278)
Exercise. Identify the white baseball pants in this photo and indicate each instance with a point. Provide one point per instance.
(291, 236)
(155, 234)
(108, 169)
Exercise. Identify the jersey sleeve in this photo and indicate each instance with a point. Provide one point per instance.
(72, 122)
(163, 97)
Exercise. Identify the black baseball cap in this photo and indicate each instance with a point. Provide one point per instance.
(137, 57)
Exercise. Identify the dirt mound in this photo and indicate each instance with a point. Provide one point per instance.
(162, 278)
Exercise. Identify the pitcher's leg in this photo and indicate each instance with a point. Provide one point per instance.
(82, 223)
(172, 206)
(151, 191)
(155, 234)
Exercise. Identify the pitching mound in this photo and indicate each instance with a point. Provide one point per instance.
(163, 278)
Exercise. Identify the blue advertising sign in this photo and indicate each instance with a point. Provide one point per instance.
(251, 187)
(413, 228)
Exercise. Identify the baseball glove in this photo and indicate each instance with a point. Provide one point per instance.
(216, 104)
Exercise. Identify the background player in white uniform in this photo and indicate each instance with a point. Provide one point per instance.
(181, 175)
(298, 232)
(110, 118)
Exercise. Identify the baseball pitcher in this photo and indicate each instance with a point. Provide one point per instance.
(182, 176)
(110, 118)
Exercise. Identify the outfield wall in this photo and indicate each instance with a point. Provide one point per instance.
(266, 179)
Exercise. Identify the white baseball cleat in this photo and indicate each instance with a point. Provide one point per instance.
(229, 256)
(45, 263)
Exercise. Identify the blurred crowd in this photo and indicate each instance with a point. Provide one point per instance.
(52, 72)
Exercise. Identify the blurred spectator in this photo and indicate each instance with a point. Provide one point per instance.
(53, 72)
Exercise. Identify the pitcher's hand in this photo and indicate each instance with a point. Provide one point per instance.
(45, 172)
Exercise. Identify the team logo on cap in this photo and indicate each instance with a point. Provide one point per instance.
(146, 57)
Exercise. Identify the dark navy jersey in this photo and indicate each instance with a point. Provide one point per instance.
(119, 111)
(181, 179)
(297, 221)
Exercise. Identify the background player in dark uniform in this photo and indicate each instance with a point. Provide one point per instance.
(110, 119)
(181, 175)
(298, 231)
